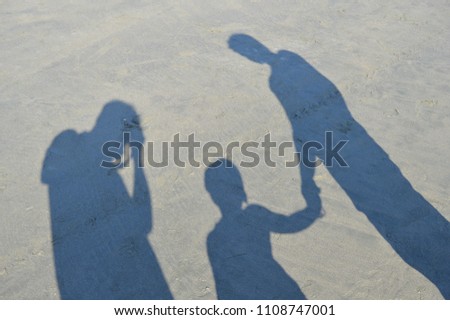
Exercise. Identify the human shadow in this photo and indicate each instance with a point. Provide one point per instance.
(407, 221)
(239, 247)
(99, 231)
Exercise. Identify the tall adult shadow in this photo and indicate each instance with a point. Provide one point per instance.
(99, 231)
(407, 221)
(239, 247)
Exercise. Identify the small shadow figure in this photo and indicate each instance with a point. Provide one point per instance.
(408, 222)
(239, 247)
(99, 231)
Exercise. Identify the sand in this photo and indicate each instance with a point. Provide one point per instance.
(62, 62)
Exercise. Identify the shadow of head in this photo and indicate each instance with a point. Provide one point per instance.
(116, 117)
(224, 183)
(250, 48)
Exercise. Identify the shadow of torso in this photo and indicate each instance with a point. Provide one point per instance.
(375, 185)
(240, 253)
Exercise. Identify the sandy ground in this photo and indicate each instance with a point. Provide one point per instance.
(62, 62)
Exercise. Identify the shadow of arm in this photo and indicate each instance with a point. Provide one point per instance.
(141, 192)
(302, 219)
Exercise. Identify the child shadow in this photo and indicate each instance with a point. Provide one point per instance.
(99, 231)
(239, 247)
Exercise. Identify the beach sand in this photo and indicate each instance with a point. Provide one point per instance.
(62, 62)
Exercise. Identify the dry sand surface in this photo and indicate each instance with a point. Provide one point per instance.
(377, 74)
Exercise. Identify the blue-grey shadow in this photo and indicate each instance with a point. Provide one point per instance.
(405, 219)
(99, 231)
(239, 247)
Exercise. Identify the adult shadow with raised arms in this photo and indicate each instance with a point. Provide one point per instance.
(99, 231)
